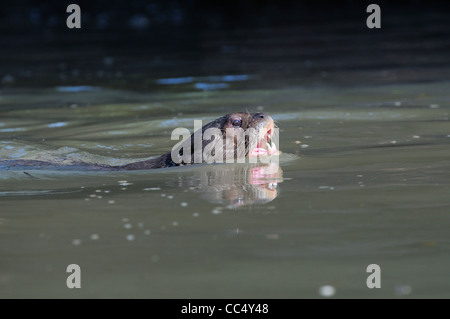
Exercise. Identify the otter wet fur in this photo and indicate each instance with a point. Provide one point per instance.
(258, 129)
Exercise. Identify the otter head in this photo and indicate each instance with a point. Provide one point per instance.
(231, 137)
(250, 134)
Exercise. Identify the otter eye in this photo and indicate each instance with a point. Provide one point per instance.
(237, 122)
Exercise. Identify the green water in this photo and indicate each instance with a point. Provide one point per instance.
(363, 179)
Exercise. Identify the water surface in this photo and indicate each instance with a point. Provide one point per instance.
(363, 178)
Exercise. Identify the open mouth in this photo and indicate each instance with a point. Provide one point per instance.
(265, 145)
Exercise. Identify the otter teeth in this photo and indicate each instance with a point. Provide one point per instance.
(271, 148)
(269, 140)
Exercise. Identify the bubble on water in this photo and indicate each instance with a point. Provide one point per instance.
(124, 188)
(324, 187)
(398, 103)
(98, 190)
(127, 226)
(76, 242)
(111, 202)
(163, 195)
(327, 291)
(184, 204)
(298, 142)
(393, 142)
(87, 199)
(304, 145)
(92, 195)
(175, 223)
(140, 224)
(359, 175)
(434, 106)
(107, 191)
(126, 184)
(402, 290)
(195, 214)
(152, 189)
(95, 236)
(147, 232)
(99, 197)
(416, 136)
(130, 237)
(170, 197)
(216, 211)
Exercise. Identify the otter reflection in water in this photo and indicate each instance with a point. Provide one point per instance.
(235, 185)
(232, 185)
(224, 144)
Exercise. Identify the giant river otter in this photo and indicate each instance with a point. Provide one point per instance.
(231, 137)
